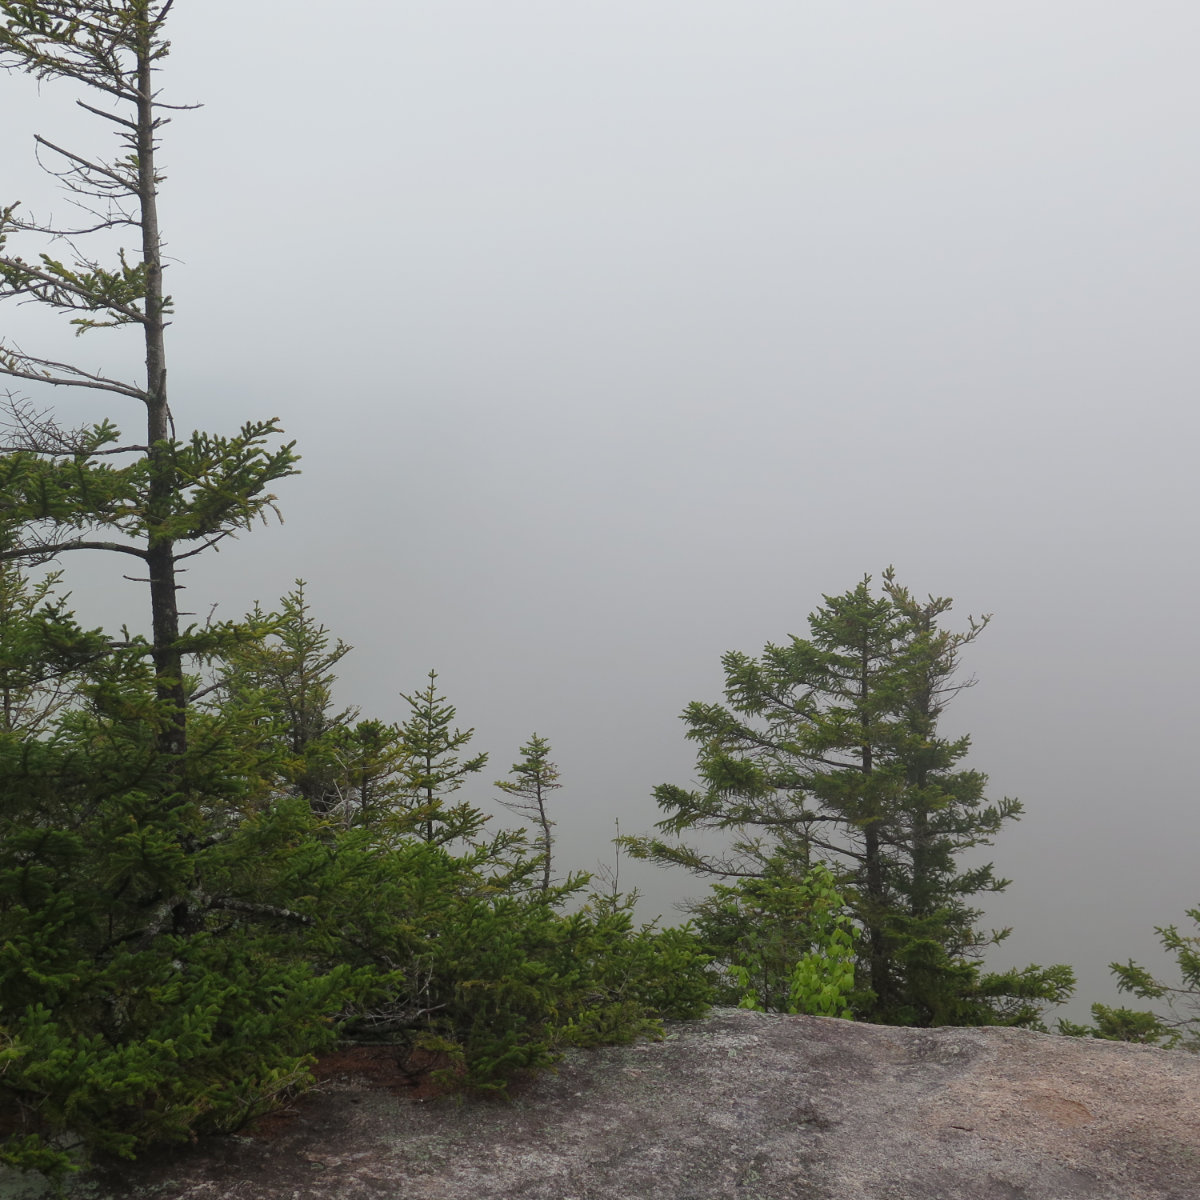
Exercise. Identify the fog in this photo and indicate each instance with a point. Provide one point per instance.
(613, 336)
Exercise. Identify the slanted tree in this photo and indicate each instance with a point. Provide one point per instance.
(434, 769)
(827, 752)
(534, 778)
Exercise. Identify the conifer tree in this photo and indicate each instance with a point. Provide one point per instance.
(40, 651)
(282, 672)
(147, 990)
(371, 757)
(434, 770)
(158, 500)
(1180, 1024)
(179, 933)
(1185, 949)
(281, 675)
(827, 752)
(535, 777)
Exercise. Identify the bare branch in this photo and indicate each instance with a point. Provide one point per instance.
(36, 431)
(78, 179)
(114, 216)
(200, 693)
(108, 116)
(71, 376)
(102, 222)
(211, 543)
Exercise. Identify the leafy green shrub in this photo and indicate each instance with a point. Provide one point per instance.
(781, 944)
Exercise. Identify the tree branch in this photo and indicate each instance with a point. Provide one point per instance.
(72, 377)
(51, 550)
(66, 290)
(211, 542)
(86, 164)
(108, 116)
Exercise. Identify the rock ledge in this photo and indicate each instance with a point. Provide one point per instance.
(747, 1107)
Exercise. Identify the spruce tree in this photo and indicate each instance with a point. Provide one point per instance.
(158, 500)
(827, 752)
(282, 672)
(434, 771)
(40, 651)
(282, 676)
(152, 982)
(183, 923)
(534, 778)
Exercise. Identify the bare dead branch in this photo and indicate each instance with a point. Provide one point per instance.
(108, 116)
(85, 164)
(211, 543)
(42, 370)
(102, 223)
(36, 431)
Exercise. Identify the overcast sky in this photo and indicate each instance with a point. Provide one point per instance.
(613, 335)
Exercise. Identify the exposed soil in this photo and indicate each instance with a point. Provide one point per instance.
(409, 1074)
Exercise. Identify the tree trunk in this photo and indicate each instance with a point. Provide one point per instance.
(160, 558)
(872, 848)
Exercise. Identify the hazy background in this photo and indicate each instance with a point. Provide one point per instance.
(613, 335)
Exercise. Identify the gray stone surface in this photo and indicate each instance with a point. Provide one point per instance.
(746, 1107)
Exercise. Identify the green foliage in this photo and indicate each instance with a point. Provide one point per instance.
(279, 675)
(534, 778)
(118, 294)
(62, 39)
(41, 646)
(1180, 1025)
(370, 757)
(781, 944)
(1017, 997)
(203, 886)
(513, 982)
(823, 978)
(469, 959)
(1123, 1025)
(179, 938)
(827, 751)
(433, 770)
(154, 988)
(218, 486)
